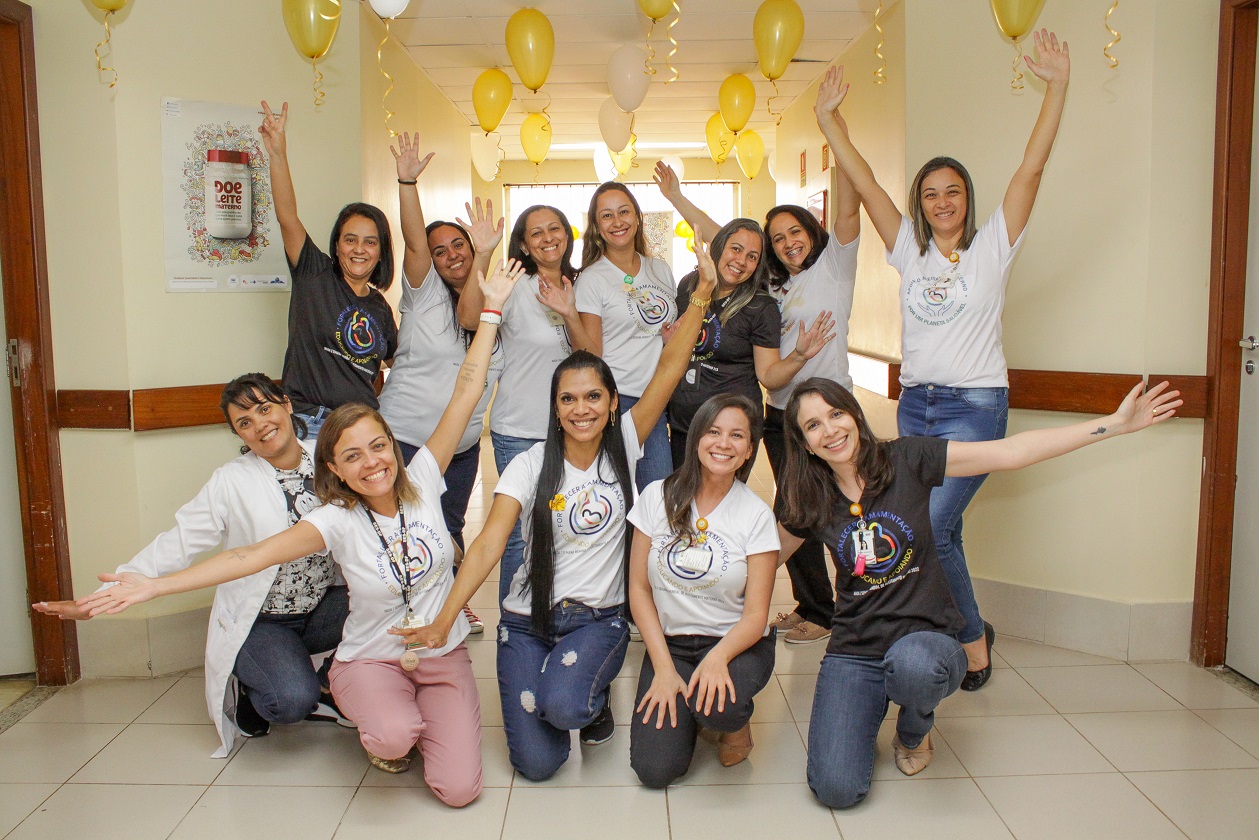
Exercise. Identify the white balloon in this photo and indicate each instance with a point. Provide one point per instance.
(626, 78)
(676, 163)
(389, 8)
(486, 155)
(771, 161)
(614, 125)
(605, 169)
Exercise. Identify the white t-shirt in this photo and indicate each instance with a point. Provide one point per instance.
(702, 593)
(589, 531)
(430, 352)
(951, 312)
(375, 582)
(632, 317)
(535, 342)
(827, 285)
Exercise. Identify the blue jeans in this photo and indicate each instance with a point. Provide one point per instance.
(274, 662)
(916, 673)
(314, 422)
(506, 448)
(964, 414)
(460, 478)
(657, 460)
(543, 696)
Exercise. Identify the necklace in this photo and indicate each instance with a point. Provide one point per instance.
(401, 567)
(862, 541)
(702, 525)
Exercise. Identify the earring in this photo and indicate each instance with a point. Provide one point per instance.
(614, 418)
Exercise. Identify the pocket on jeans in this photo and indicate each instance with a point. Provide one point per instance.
(994, 399)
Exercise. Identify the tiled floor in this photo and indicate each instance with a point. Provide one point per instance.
(1060, 746)
(13, 690)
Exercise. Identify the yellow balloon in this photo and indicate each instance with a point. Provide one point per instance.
(1015, 18)
(535, 137)
(751, 151)
(531, 45)
(491, 94)
(109, 5)
(682, 230)
(576, 233)
(777, 29)
(690, 244)
(720, 140)
(737, 98)
(312, 24)
(655, 9)
(624, 159)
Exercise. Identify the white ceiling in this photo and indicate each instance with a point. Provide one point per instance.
(714, 40)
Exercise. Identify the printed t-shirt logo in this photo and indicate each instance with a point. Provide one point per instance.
(648, 307)
(893, 547)
(358, 335)
(936, 300)
(709, 338)
(590, 511)
(425, 549)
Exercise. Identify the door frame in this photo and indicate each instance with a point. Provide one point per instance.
(24, 264)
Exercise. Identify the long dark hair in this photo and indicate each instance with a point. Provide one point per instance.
(541, 580)
(746, 290)
(328, 485)
(593, 246)
(516, 244)
(778, 273)
(808, 490)
(382, 276)
(681, 487)
(922, 226)
(466, 335)
(251, 389)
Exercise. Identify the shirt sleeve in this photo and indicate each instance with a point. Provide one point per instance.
(520, 479)
(426, 475)
(645, 514)
(332, 522)
(589, 291)
(927, 457)
(898, 257)
(767, 322)
(311, 262)
(413, 300)
(840, 261)
(763, 534)
(995, 228)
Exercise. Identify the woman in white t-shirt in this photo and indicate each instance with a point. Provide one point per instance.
(954, 383)
(384, 525)
(563, 633)
(701, 574)
(625, 298)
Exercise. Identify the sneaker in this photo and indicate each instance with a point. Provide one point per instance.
(786, 621)
(390, 765)
(805, 632)
(601, 729)
(248, 721)
(477, 625)
(327, 711)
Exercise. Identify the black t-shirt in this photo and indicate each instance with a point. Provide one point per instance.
(904, 590)
(337, 339)
(722, 361)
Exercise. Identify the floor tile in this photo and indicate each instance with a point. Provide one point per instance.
(1020, 745)
(1020, 653)
(798, 659)
(19, 800)
(1240, 725)
(798, 689)
(771, 704)
(633, 813)
(599, 765)
(1102, 807)
(486, 597)
(778, 758)
(1098, 688)
(1194, 687)
(247, 813)
(942, 809)
(101, 701)
(1160, 741)
(491, 706)
(1206, 804)
(304, 754)
(12, 691)
(705, 812)
(51, 752)
(393, 812)
(183, 703)
(110, 812)
(496, 769)
(1006, 693)
(156, 754)
(484, 659)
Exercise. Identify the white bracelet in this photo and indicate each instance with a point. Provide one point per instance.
(491, 318)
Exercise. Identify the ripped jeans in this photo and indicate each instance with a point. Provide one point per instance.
(549, 686)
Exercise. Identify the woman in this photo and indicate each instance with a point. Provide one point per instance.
(953, 279)
(895, 625)
(565, 606)
(341, 328)
(701, 574)
(625, 299)
(385, 526)
(265, 627)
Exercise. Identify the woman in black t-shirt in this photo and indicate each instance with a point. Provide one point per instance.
(341, 328)
(893, 634)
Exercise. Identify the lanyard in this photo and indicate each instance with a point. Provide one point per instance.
(401, 567)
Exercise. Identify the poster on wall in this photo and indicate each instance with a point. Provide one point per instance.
(221, 234)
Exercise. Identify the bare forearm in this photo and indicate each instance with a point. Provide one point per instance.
(417, 260)
(695, 217)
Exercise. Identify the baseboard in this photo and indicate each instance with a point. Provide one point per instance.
(147, 647)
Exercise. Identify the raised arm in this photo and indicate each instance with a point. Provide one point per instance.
(1054, 69)
(671, 188)
(847, 210)
(283, 196)
(470, 383)
(416, 259)
(485, 238)
(667, 684)
(1137, 411)
(776, 372)
(879, 205)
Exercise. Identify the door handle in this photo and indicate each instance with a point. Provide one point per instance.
(1248, 343)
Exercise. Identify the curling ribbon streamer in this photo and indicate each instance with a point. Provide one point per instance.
(318, 81)
(777, 115)
(651, 51)
(879, 76)
(380, 62)
(1016, 83)
(101, 68)
(1114, 62)
(669, 32)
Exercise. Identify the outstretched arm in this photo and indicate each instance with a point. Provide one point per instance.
(485, 238)
(879, 205)
(671, 188)
(1054, 69)
(282, 194)
(416, 259)
(1137, 411)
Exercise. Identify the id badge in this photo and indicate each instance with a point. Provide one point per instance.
(413, 622)
(862, 549)
(555, 318)
(690, 380)
(696, 558)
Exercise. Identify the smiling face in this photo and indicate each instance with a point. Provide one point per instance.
(790, 241)
(358, 249)
(727, 444)
(739, 258)
(266, 428)
(363, 457)
(546, 239)
(452, 255)
(830, 433)
(943, 197)
(583, 405)
(617, 220)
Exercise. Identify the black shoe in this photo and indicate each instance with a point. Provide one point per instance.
(327, 711)
(975, 680)
(601, 729)
(248, 721)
